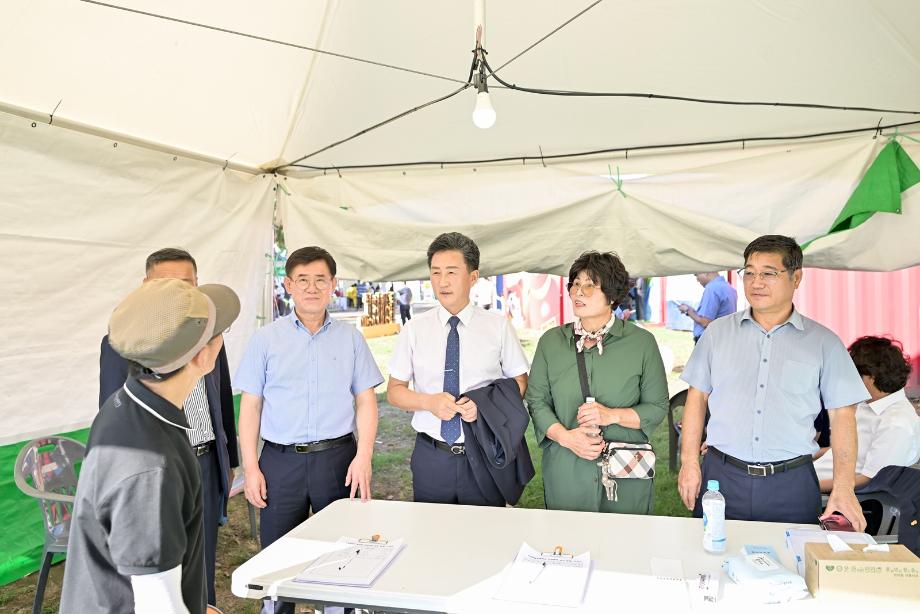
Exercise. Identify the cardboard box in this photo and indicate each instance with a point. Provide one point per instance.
(890, 577)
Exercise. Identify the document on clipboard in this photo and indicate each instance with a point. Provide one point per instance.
(546, 578)
(359, 562)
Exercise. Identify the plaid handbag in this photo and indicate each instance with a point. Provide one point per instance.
(629, 460)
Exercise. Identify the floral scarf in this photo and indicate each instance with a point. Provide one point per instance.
(596, 336)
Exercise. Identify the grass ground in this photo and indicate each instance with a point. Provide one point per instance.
(392, 480)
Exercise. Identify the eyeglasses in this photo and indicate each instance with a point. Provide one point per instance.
(302, 283)
(768, 277)
(586, 289)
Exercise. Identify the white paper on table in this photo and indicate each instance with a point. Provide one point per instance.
(358, 562)
(545, 578)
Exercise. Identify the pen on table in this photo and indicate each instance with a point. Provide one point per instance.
(337, 561)
(537, 575)
(350, 560)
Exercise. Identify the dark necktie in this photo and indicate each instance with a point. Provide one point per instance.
(450, 429)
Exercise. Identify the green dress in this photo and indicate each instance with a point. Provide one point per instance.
(629, 374)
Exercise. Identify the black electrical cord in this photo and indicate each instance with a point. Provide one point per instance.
(749, 103)
(582, 154)
(469, 83)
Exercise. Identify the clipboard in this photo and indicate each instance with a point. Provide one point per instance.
(555, 578)
(359, 562)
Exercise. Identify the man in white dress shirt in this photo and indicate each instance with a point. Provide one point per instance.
(887, 427)
(444, 352)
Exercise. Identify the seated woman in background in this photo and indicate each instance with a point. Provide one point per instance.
(888, 429)
(626, 380)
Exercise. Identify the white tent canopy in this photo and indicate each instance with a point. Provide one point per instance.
(155, 121)
(262, 102)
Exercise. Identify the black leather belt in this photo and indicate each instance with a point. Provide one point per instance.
(457, 448)
(314, 446)
(203, 448)
(761, 469)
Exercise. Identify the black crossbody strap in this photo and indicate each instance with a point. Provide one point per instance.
(582, 372)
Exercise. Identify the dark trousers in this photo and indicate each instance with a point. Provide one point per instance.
(405, 312)
(296, 485)
(791, 496)
(441, 477)
(213, 510)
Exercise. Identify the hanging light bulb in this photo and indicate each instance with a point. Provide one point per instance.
(483, 112)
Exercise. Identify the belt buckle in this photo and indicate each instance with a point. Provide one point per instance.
(760, 470)
(301, 448)
(457, 449)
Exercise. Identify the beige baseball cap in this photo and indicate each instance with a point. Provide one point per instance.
(165, 322)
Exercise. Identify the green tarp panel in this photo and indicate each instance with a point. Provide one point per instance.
(880, 189)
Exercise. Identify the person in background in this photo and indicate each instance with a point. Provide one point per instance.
(351, 295)
(887, 426)
(719, 299)
(404, 300)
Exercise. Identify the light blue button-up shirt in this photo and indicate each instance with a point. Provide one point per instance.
(765, 387)
(719, 300)
(307, 381)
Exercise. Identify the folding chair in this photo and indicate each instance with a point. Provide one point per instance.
(46, 469)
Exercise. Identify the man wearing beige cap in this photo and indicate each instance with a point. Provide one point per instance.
(208, 410)
(136, 538)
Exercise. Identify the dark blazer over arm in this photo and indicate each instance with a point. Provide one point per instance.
(495, 445)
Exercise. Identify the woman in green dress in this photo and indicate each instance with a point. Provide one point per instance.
(625, 377)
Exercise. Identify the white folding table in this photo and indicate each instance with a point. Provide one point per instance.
(455, 556)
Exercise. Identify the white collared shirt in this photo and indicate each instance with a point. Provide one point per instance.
(489, 350)
(888, 433)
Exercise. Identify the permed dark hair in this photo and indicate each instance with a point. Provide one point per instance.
(605, 270)
(169, 254)
(777, 244)
(882, 359)
(454, 241)
(306, 255)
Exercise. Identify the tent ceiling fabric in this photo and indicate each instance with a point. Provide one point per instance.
(682, 213)
(78, 218)
(260, 103)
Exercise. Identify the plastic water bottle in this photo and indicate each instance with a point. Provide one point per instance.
(713, 519)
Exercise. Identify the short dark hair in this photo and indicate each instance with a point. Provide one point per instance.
(777, 244)
(454, 241)
(606, 270)
(882, 359)
(306, 255)
(169, 254)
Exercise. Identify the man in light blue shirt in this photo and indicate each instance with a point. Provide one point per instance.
(719, 299)
(307, 381)
(763, 373)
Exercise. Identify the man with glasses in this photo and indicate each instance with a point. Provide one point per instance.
(763, 372)
(307, 381)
